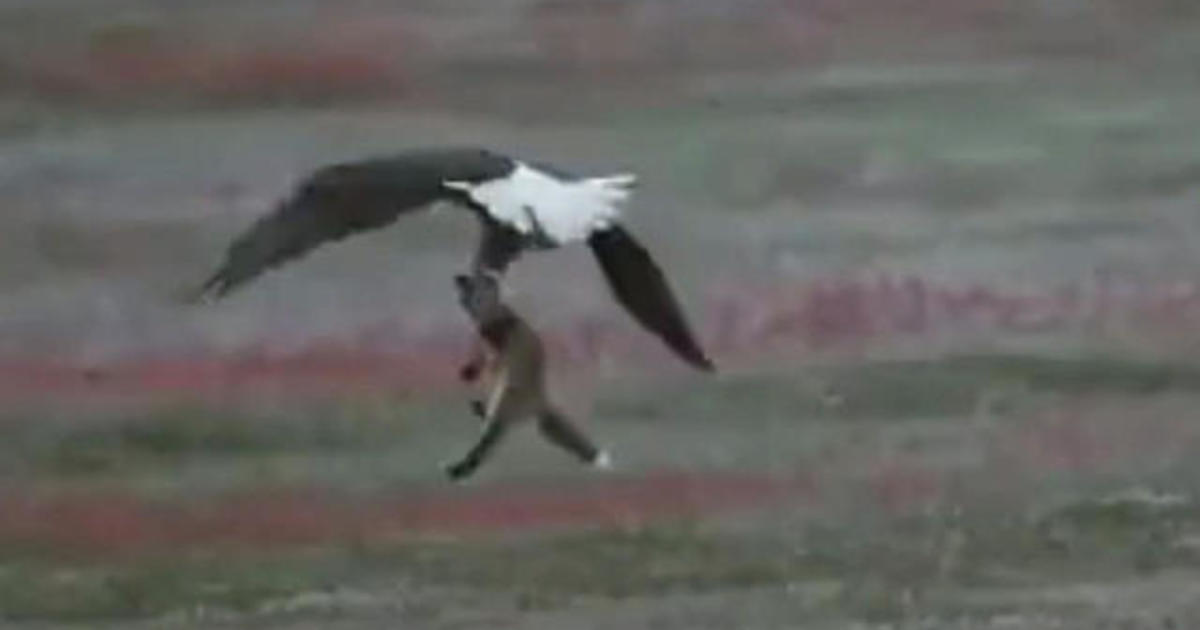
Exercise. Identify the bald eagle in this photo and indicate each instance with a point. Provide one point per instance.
(520, 206)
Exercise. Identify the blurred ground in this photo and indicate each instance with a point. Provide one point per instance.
(945, 253)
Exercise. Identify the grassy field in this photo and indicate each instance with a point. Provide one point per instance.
(963, 492)
(949, 276)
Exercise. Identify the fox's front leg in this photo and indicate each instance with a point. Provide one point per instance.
(493, 431)
(505, 406)
(481, 359)
(500, 414)
(476, 361)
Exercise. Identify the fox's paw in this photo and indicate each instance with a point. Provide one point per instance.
(602, 461)
(458, 470)
(469, 372)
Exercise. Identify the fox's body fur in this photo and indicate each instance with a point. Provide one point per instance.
(510, 356)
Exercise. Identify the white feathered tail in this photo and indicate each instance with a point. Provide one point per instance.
(529, 199)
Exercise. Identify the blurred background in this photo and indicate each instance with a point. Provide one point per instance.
(944, 252)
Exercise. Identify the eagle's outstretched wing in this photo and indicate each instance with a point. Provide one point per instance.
(639, 285)
(344, 199)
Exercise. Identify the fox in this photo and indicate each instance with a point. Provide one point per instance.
(510, 354)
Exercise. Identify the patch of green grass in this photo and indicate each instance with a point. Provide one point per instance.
(1087, 374)
(612, 563)
(870, 568)
(113, 592)
(954, 385)
(928, 388)
(958, 375)
(1138, 530)
(542, 572)
(733, 397)
(162, 437)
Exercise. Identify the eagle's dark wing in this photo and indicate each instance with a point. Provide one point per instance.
(639, 285)
(345, 199)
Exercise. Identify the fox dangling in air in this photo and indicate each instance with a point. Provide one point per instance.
(509, 354)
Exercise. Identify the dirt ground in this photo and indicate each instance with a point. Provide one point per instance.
(949, 277)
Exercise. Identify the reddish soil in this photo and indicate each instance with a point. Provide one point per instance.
(355, 54)
(1086, 436)
(800, 319)
(113, 522)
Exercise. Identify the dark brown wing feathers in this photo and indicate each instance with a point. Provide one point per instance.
(639, 285)
(345, 199)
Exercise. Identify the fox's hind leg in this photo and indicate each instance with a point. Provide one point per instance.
(560, 431)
